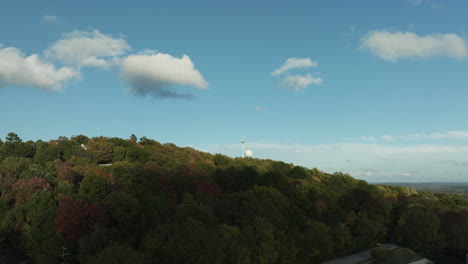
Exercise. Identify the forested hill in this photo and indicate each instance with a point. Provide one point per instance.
(112, 200)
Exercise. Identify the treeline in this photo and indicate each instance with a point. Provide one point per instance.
(112, 200)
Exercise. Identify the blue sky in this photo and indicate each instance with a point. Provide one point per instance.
(378, 89)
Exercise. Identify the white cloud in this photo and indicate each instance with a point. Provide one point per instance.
(393, 46)
(456, 163)
(432, 4)
(80, 48)
(148, 73)
(368, 139)
(20, 70)
(388, 138)
(260, 108)
(297, 82)
(294, 63)
(449, 135)
(300, 82)
(156, 74)
(438, 135)
(416, 2)
(50, 19)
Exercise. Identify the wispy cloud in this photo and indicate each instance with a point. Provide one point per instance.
(430, 3)
(456, 162)
(51, 19)
(300, 82)
(460, 134)
(294, 63)
(388, 138)
(260, 108)
(416, 2)
(157, 73)
(392, 46)
(18, 69)
(297, 82)
(449, 135)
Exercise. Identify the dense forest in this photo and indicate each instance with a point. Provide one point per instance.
(112, 200)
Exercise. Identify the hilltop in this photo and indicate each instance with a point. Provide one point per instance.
(113, 200)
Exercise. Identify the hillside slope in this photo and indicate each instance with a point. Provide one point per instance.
(112, 200)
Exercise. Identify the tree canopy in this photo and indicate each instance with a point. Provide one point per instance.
(98, 200)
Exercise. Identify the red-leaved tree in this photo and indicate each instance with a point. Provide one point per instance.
(75, 218)
(23, 189)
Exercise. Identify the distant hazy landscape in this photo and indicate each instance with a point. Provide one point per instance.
(460, 188)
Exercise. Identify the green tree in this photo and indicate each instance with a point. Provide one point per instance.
(455, 228)
(15, 147)
(275, 179)
(38, 228)
(44, 153)
(136, 154)
(183, 240)
(118, 254)
(93, 189)
(101, 151)
(237, 178)
(64, 188)
(418, 228)
(126, 218)
(81, 139)
(262, 245)
(92, 243)
(12, 137)
(298, 172)
(14, 166)
(316, 243)
(280, 167)
(221, 160)
(148, 142)
(128, 177)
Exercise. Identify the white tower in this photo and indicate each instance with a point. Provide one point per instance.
(243, 140)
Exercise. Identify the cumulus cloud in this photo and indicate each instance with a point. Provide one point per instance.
(81, 48)
(147, 73)
(393, 46)
(157, 74)
(300, 82)
(294, 63)
(20, 70)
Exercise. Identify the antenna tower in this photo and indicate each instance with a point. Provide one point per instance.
(243, 141)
